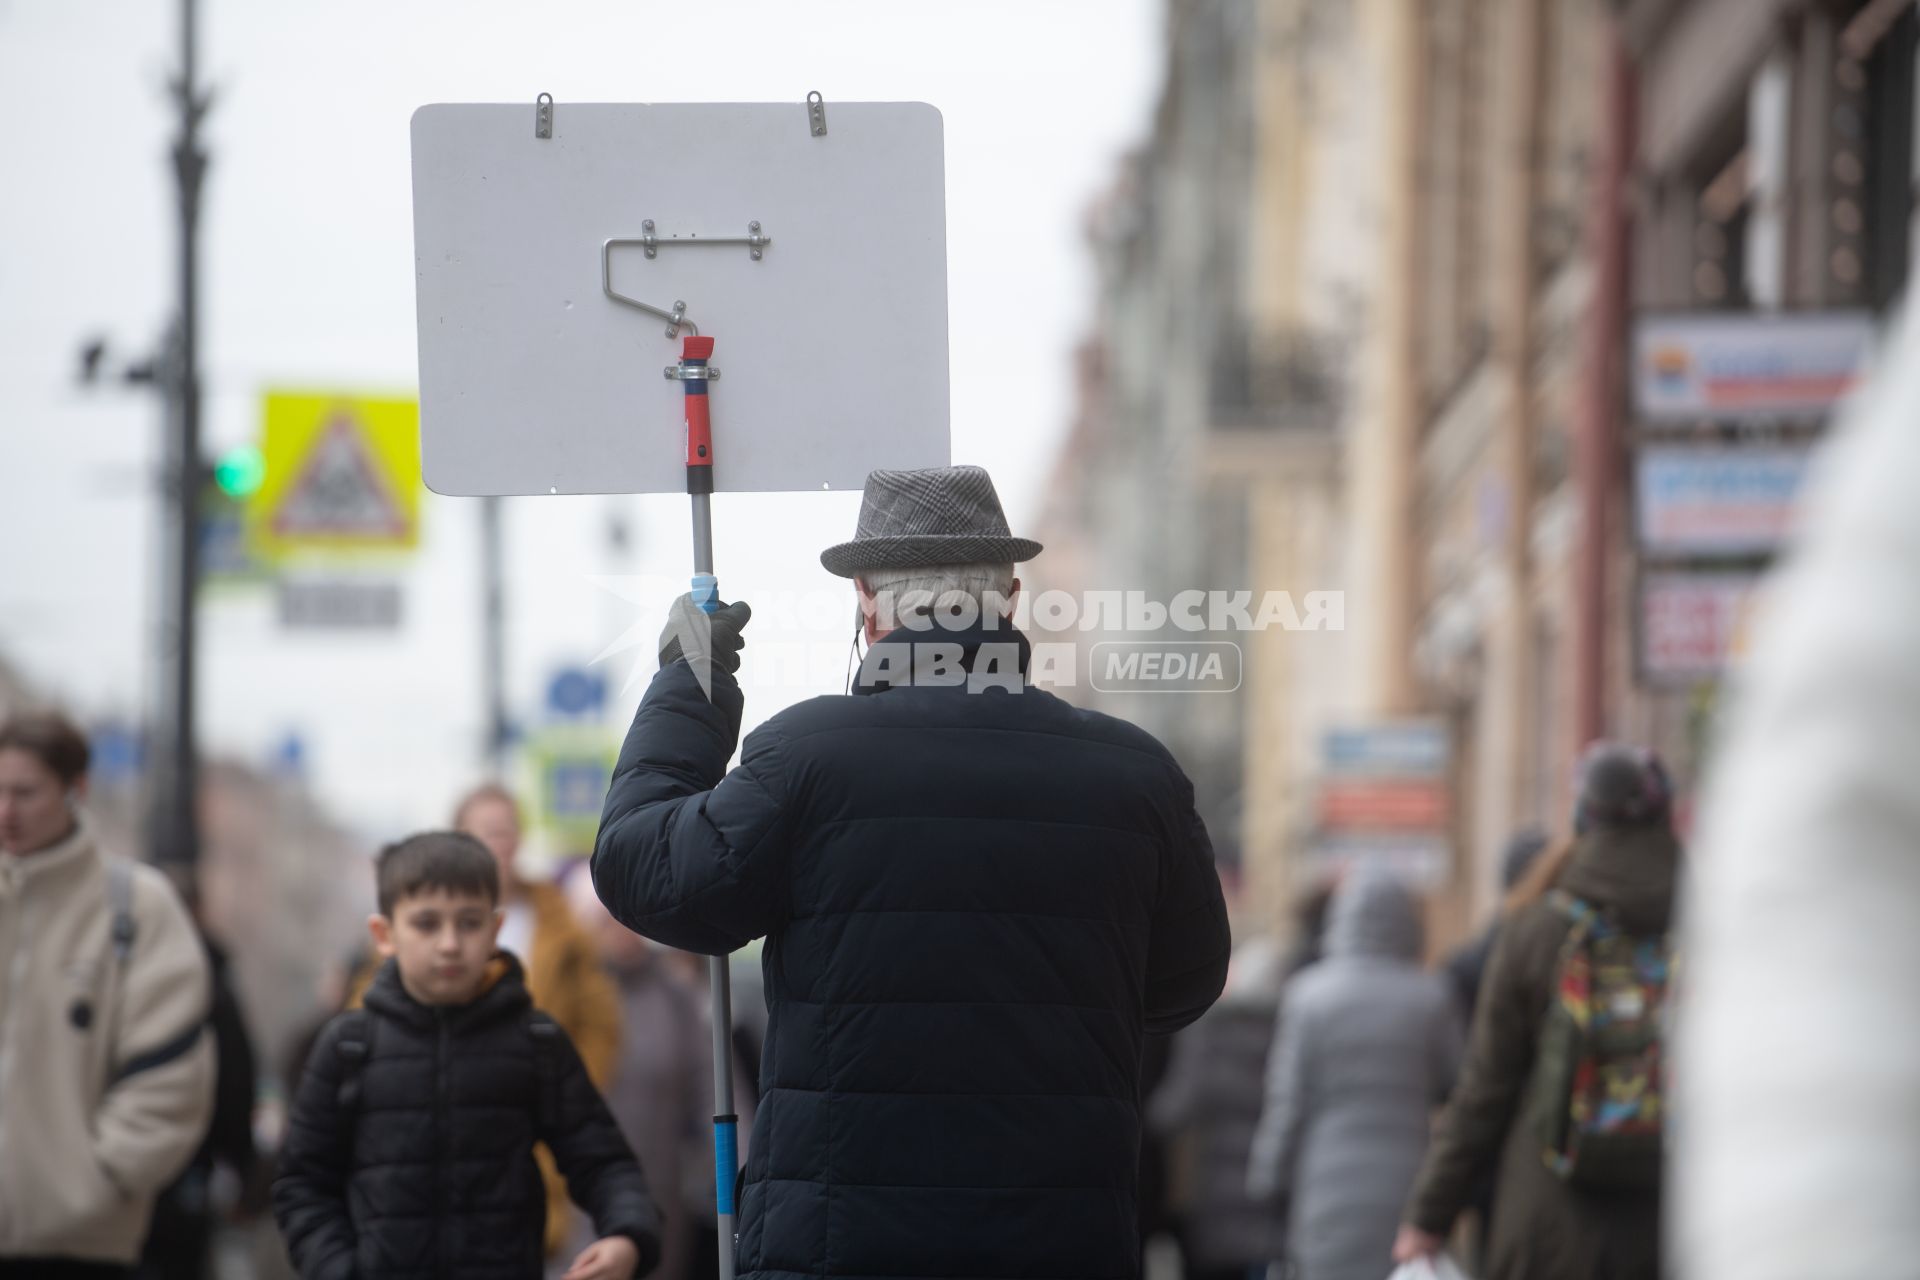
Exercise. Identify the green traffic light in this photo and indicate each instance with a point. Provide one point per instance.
(239, 471)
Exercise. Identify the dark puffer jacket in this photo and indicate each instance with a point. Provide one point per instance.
(1208, 1107)
(419, 1162)
(976, 906)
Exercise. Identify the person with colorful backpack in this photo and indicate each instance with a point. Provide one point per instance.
(1564, 1086)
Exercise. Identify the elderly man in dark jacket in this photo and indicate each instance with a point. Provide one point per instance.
(977, 901)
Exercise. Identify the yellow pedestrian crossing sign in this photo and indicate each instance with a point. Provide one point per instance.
(342, 473)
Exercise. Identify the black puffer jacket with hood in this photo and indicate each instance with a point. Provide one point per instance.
(409, 1152)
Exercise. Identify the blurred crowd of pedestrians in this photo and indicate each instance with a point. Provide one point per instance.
(1342, 1108)
(1347, 1107)
(140, 1174)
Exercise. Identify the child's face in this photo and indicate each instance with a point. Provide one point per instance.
(443, 940)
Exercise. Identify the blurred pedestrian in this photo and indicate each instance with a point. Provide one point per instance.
(559, 962)
(1583, 949)
(563, 970)
(1466, 967)
(1797, 1067)
(108, 1071)
(1206, 1110)
(661, 1093)
(977, 899)
(409, 1150)
(703, 1208)
(1465, 970)
(179, 1244)
(1368, 1045)
(1309, 945)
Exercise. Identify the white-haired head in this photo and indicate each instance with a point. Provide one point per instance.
(956, 595)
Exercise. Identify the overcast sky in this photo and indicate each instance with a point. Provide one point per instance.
(308, 282)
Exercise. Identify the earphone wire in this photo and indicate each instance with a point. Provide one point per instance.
(853, 654)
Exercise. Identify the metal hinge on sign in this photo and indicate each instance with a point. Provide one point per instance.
(543, 116)
(817, 114)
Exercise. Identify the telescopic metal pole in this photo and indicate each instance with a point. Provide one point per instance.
(694, 375)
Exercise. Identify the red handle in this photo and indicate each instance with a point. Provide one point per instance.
(697, 351)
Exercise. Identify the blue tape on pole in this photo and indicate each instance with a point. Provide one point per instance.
(726, 1163)
(706, 592)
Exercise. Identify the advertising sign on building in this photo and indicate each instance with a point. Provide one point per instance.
(1714, 501)
(1693, 624)
(1747, 366)
(1383, 800)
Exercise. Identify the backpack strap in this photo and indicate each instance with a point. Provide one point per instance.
(120, 903)
(543, 1033)
(352, 1046)
(1588, 920)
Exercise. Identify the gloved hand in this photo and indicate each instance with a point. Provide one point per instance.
(704, 637)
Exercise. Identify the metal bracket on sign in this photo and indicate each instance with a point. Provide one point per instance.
(543, 116)
(817, 114)
(684, 372)
(650, 240)
(676, 319)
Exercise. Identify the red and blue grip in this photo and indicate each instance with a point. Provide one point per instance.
(694, 354)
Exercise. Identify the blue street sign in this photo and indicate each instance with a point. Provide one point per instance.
(574, 692)
(119, 753)
(576, 789)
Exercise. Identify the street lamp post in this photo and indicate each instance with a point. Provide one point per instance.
(176, 834)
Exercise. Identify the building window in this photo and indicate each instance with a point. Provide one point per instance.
(1456, 156)
(1722, 211)
(1569, 101)
(1870, 208)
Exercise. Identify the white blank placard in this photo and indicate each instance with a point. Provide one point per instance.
(832, 348)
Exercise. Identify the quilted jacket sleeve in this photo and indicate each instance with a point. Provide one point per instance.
(603, 1176)
(1276, 1140)
(310, 1191)
(1187, 959)
(1499, 1059)
(689, 854)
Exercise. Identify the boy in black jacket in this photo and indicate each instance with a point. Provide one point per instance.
(409, 1151)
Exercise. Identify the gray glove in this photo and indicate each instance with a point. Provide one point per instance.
(704, 638)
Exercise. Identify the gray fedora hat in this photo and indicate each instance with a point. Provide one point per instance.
(942, 515)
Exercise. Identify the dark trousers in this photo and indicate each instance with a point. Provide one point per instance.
(61, 1269)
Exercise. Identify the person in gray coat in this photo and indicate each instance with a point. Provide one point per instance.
(1368, 1045)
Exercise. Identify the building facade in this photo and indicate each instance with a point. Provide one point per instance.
(1513, 320)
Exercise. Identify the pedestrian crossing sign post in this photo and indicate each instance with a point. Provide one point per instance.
(341, 474)
(573, 768)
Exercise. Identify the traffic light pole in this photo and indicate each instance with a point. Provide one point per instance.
(176, 827)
